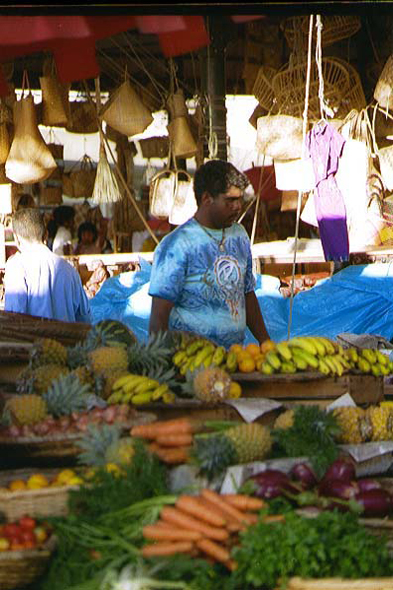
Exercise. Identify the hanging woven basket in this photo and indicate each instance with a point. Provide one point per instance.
(125, 111)
(263, 89)
(335, 28)
(383, 92)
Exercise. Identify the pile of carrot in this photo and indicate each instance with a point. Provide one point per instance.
(204, 524)
(170, 440)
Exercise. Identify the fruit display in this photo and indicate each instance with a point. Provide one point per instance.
(26, 533)
(360, 425)
(138, 390)
(212, 446)
(38, 481)
(193, 352)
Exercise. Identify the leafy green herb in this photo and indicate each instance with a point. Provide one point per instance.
(312, 435)
(331, 544)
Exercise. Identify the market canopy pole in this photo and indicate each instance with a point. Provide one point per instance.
(215, 81)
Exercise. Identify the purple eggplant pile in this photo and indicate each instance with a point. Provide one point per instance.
(337, 489)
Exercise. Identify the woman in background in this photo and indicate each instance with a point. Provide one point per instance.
(60, 230)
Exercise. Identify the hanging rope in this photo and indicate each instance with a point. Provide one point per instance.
(300, 192)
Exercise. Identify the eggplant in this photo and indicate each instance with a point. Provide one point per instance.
(304, 474)
(367, 484)
(375, 502)
(337, 488)
(272, 483)
(343, 469)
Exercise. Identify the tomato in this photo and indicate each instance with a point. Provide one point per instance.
(26, 522)
(27, 536)
(4, 544)
(11, 529)
(40, 534)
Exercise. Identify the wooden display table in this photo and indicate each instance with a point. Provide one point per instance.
(311, 387)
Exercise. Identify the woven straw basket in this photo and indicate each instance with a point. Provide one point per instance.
(354, 98)
(384, 87)
(21, 568)
(280, 136)
(263, 89)
(125, 111)
(335, 28)
(49, 501)
(290, 82)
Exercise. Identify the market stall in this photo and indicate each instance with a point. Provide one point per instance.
(170, 461)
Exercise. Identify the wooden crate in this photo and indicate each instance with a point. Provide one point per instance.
(311, 387)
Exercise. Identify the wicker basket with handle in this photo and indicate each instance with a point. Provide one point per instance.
(21, 568)
(40, 503)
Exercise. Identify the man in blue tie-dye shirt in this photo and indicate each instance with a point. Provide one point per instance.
(202, 279)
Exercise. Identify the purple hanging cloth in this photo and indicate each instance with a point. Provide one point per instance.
(324, 145)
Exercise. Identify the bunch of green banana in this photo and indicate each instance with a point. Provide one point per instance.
(203, 353)
(139, 390)
(306, 353)
(370, 360)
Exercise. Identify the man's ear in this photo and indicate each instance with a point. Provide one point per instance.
(206, 199)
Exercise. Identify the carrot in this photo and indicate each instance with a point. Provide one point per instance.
(148, 431)
(214, 550)
(232, 524)
(153, 447)
(225, 506)
(173, 456)
(175, 440)
(244, 502)
(184, 521)
(178, 426)
(162, 549)
(193, 506)
(160, 533)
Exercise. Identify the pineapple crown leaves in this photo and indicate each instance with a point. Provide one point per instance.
(96, 442)
(156, 352)
(66, 395)
(312, 434)
(213, 454)
(77, 355)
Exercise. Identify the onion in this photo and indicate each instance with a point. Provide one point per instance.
(375, 502)
(271, 483)
(365, 485)
(343, 469)
(304, 474)
(337, 488)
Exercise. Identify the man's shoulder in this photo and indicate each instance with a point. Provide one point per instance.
(179, 234)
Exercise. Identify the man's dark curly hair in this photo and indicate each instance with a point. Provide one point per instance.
(215, 177)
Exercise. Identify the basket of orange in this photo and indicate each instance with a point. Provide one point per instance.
(40, 494)
(26, 546)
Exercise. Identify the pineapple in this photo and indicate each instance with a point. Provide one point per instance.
(77, 356)
(354, 423)
(212, 384)
(48, 351)
(95, 444)
(108, 358)
(67, 395)
(26, 409)
(120, 452)
(381, 419)
(39, 379)
(84, 375)
(146, 358)
(236, 445)
(285, 420)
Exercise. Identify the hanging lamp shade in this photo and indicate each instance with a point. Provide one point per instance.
(125, 111)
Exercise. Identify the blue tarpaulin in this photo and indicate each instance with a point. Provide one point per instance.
(358, 299)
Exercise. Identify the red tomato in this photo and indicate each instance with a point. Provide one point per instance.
(4, 544)
(11, 529)
(40, 534)
(27, 536)
(26, 522)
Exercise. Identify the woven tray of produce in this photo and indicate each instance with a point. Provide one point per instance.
(61, 444)
(20, 568)
(40, 493)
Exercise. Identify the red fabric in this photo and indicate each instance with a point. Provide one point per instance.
(70, 67)
(160, 24)
(269, 191)
(192, 38)
(245, 18)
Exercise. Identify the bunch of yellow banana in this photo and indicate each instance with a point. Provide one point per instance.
(203, 353)
(139, 390)
(306, 353)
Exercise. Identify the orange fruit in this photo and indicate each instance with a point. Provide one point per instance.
(235, 390)
(243, 354)
(37, 481)
(267, 345)
(17, 484)
(253, 349)
(247, 365)
(236, 348)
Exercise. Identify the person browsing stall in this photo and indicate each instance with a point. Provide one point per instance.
(37, 281)
(201, 279)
